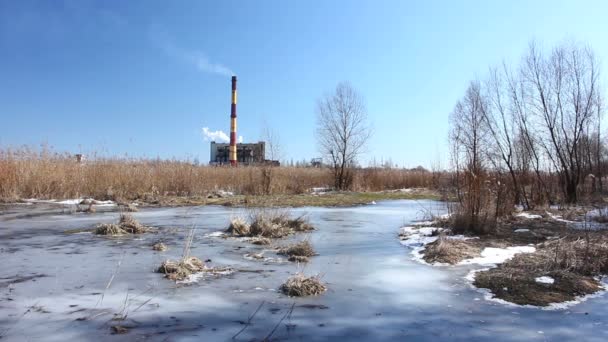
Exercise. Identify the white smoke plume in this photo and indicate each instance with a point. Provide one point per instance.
(240, 139)
(194, 57)
(217, 136)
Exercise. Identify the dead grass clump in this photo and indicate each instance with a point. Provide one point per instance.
(180, 270)
(269, 225)
(299, 285)
(126, 225)
(109, 229)
(131, 225)
(450, 251)
(239, 227)
(160, 247)
(298, 258)
(299, 252)
(299, 224)
(581, 253)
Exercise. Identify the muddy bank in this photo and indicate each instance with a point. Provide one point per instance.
(531, 259)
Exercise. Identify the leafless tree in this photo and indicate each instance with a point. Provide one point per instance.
(500, 115)
(273, 153)
(342, 131)
(564, 100)
(469, 137)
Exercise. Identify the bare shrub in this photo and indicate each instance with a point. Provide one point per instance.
(299, 286)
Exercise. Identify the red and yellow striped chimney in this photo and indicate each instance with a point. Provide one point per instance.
(232, 155)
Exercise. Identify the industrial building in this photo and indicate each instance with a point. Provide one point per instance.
(234, 154)
(247, 154)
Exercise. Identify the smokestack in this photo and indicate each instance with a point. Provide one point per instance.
(232, 156)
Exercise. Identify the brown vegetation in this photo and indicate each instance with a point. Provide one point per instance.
(572, 262)
(180, 270)
(126, 225)
(299, 285)
(451, 251)
(160, 247)
(45, 174)
(298, 252)
(268, 223)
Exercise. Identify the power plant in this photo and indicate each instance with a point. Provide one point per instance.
(233, 150)
(234, 154)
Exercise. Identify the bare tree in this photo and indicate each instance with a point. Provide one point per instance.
(500, 115)
(564, 99)
(342, 131)
(273, 153)
(469, 139)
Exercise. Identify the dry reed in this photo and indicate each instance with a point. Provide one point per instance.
(45, 174)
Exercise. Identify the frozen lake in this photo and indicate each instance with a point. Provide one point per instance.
(53, 284)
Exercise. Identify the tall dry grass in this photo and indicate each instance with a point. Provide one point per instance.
(44, 174)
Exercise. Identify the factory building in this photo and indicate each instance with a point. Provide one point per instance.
(247, 154)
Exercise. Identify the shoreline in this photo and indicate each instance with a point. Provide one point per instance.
(513, 270)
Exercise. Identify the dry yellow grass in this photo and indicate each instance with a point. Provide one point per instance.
(44, 174)
(299, 286)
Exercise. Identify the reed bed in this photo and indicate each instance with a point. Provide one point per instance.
(45, 174)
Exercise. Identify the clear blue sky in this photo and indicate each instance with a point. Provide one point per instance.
(144, 77)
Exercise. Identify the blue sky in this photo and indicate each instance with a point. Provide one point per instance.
(142, 78)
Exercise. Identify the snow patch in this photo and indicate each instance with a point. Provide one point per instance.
(521, 230)
(216, 234)
(529, 216)
(544, 280)
(195, 277)
(492, 256)
(558, 218)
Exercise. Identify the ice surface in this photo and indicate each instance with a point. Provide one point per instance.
(55, 282)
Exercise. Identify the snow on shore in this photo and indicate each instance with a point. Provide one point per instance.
(529, 216)
(491, 256)
(74, 201)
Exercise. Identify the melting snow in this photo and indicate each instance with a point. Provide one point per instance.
(493, 256)
(545, 280)
(529, 216)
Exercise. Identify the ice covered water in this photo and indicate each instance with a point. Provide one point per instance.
(53, 284)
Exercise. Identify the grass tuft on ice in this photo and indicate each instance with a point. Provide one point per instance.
(298, 252)
(126, 225)
(300, 286)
